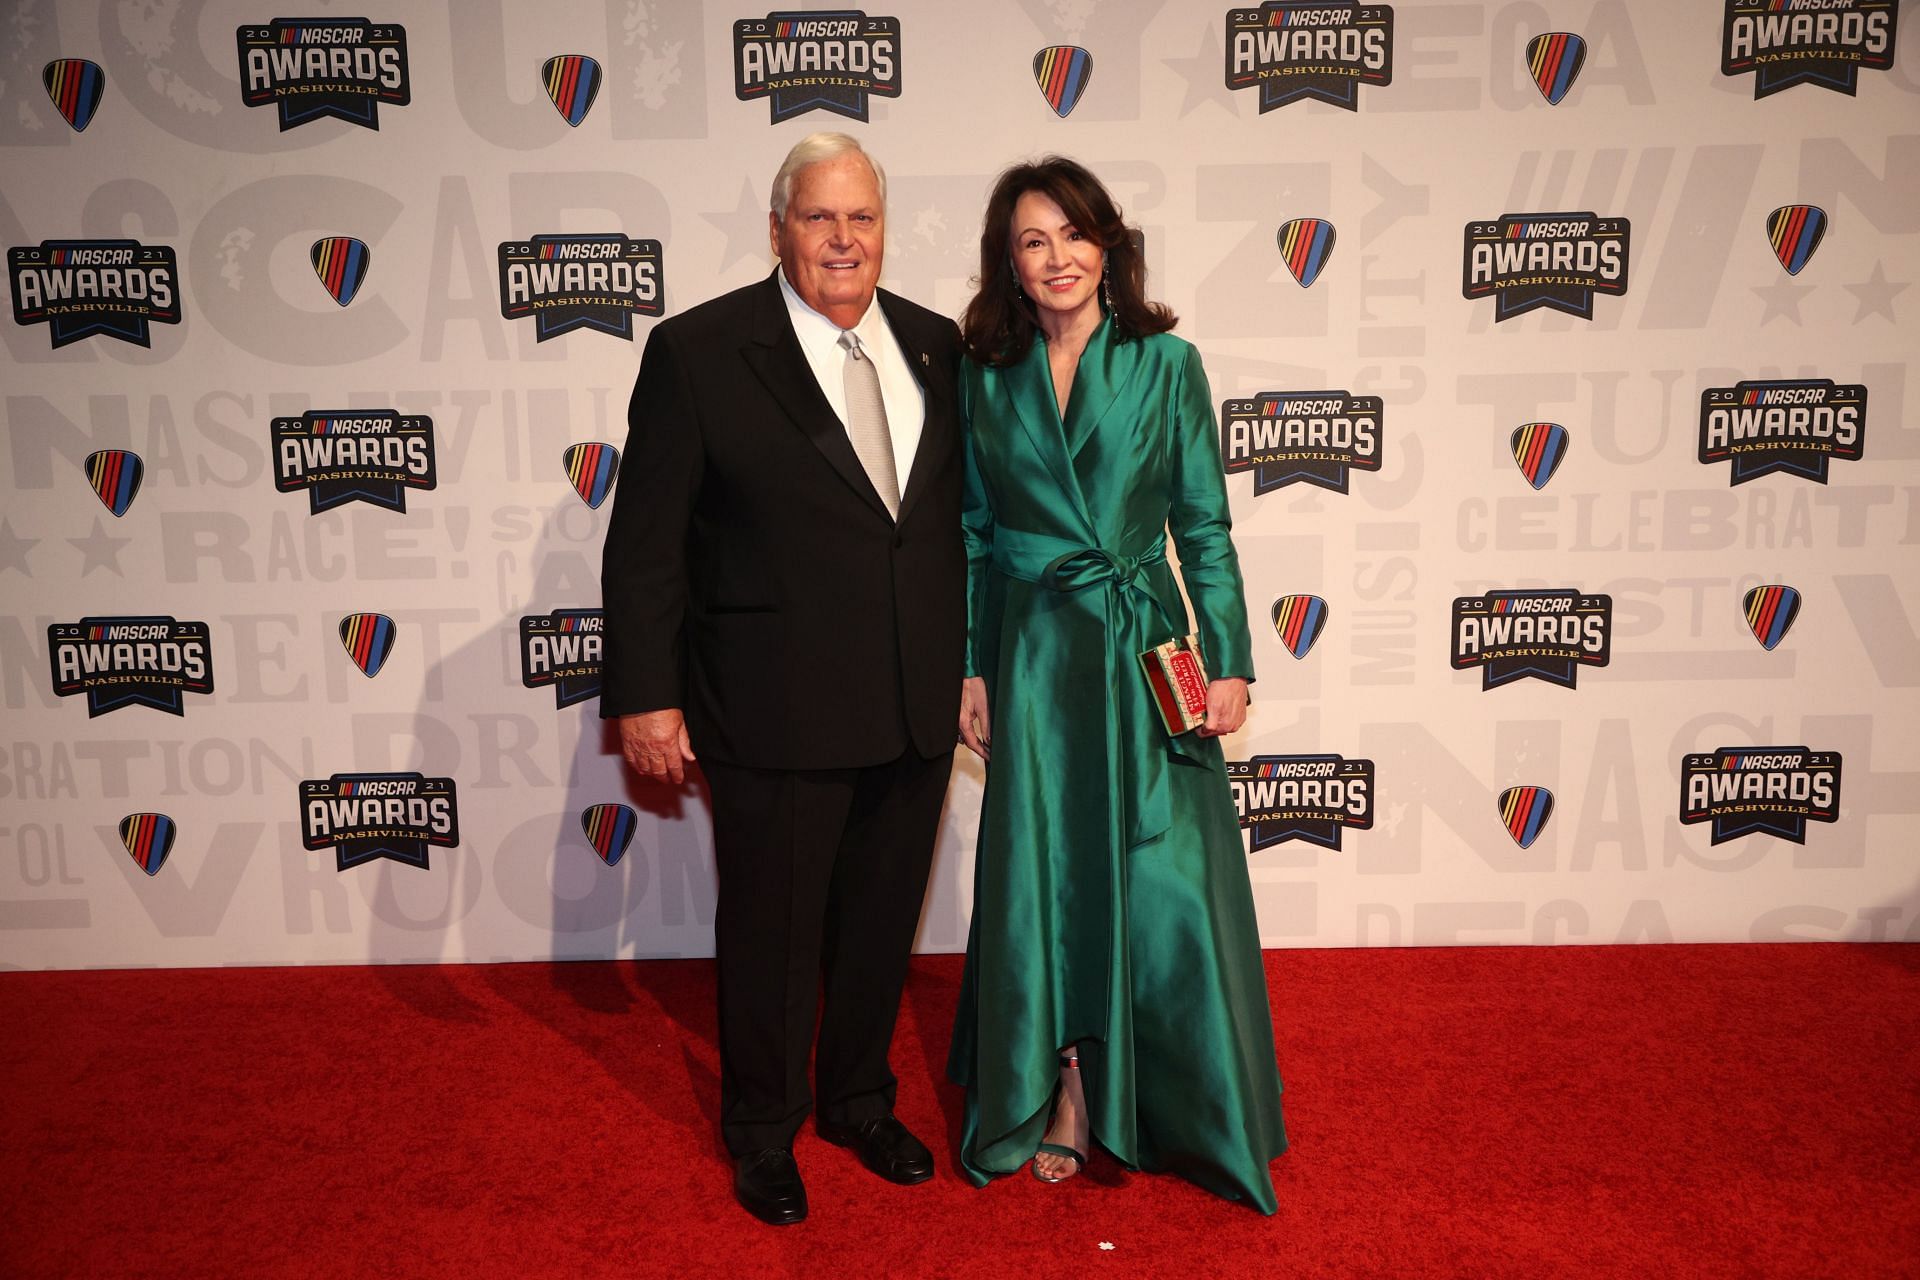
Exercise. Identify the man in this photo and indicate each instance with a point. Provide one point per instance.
(784, 587)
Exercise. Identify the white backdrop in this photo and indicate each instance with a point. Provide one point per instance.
(1652, 131)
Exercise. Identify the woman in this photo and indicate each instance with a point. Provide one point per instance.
(1114, 989)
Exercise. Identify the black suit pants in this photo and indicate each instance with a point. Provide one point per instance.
(822, 876)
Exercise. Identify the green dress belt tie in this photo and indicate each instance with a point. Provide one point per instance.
(1137, 764)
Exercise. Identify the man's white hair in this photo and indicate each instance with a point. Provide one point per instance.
(813, 149)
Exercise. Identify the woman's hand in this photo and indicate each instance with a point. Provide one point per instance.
(975, 729)
(1226, 706)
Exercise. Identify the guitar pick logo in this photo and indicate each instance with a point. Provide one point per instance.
(1305, 244)
(148, 838)
(1062, 71)
(1524, 812)
(1299, 621)
(341, 263)
(591, 469)
(1795, 231)
(1554, 61)
(368, 639)
(115, 477)
(609, 829)
(1538, 450)
(1770, 613)
(572, 81)
(75, 85)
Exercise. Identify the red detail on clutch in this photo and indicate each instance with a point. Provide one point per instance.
(1178, 681)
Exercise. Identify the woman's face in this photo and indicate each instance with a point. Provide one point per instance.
(1056, 263)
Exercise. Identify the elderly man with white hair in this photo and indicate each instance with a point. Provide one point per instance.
(784, 587)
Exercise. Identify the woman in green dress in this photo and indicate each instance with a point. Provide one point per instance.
(1114, 991)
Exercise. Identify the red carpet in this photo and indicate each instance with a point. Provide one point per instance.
(1624, 1111)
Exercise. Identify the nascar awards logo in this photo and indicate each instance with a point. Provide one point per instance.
(1795, 426)
(1782, 43)
(564, 649)
(1548, 635)
(1310, 798)
(353, 455)
(130, 662)
(1318, 52)
(312, 68)
(1295, 437)
(363, 816)
(581, 282)
(79, 288)
(1772, 791)
(1525, 261)
(818, 61)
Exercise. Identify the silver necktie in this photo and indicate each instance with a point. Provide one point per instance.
(867, 422)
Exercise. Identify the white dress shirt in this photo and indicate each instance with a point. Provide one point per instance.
(899, 389)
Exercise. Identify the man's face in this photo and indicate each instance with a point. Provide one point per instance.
(831, 240)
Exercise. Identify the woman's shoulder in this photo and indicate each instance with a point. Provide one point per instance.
(1169, 346)
(1167, 354)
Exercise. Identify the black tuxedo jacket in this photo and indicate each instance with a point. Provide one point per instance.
(751, 576)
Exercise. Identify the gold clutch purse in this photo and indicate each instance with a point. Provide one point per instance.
(1177, 678)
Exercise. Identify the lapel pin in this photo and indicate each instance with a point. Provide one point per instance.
(923, 358)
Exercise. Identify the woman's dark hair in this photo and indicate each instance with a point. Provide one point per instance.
(998, 325)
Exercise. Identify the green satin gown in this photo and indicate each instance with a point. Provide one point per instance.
(1111, 901)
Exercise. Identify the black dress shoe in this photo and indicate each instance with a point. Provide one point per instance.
(885, 1147)
(767, 1185)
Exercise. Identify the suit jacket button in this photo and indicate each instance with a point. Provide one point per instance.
(898, 541)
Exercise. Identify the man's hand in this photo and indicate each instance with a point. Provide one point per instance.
(655, 743)
(976, 730)
(1226, 706)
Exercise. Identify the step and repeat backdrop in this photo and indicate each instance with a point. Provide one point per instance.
(1561, 354)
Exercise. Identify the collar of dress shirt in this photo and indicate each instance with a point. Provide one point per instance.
(899, 387)
(821, 336)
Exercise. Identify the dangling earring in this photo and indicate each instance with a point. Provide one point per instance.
(1106, 283)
